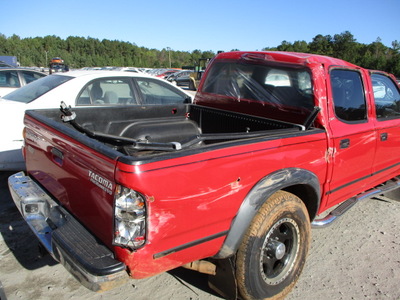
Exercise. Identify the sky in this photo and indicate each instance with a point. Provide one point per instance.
(206, 25)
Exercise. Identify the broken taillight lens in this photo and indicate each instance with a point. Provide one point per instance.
(129, 218)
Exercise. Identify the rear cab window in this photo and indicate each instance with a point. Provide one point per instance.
(279, 86)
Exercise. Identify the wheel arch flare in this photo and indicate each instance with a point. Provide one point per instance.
(300, 182)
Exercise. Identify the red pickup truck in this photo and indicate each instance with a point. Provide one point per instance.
(276, 142)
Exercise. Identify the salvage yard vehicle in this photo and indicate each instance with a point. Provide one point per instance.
(194, 78)
(57, 65)
(12, 78)
(77, 88)
(177, 76)
(276, 142)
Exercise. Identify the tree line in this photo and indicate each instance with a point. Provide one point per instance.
(80, 52)
(374, 56)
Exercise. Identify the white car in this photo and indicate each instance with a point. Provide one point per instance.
(13, 78)
(77, 88)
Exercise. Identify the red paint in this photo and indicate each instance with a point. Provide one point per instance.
(196, 196)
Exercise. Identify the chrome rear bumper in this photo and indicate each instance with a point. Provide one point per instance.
(65, 238)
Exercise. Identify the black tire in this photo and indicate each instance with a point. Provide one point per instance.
(274, 249)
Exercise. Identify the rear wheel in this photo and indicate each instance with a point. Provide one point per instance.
(274, 249)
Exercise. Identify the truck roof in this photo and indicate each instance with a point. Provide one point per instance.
(286, 57)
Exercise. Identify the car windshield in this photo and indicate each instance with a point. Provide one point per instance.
(36, 88)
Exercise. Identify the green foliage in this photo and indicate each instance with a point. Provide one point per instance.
(80, 52)
(344, 46)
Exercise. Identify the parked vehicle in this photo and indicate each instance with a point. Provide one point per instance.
(229, 186)
(130, 69)
(175, 77)
(166, 73)
(183, 80)
(77, 88)
(3, 64)
(9, 61)
(57, 65)
(13, 78)
(195, 77)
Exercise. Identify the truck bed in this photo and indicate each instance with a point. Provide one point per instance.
(152, 130)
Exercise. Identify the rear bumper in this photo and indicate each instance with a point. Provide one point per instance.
(65, 238)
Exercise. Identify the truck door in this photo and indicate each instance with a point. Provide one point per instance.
(386, 98)
(353, 139)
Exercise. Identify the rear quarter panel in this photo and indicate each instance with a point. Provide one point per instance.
(191, 198)
(196, 197)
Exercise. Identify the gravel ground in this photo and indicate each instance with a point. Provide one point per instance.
(358, 257)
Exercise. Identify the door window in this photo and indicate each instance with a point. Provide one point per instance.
(348, 95)
(9, 79)
(107, 91)
(387, 97)
(31, 76)
(156, 92)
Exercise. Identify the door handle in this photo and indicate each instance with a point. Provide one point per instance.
(58, 156)
(384, 136)
(344, 143)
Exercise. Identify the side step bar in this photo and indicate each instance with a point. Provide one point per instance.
(390, 185)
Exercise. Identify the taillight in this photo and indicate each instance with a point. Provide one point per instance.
(129, 218)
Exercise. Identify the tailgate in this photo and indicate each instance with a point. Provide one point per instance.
(76, 170)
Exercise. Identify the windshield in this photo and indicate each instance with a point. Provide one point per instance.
(36, 88)
(281, 86)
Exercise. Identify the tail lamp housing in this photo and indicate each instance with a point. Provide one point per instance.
(129, 218)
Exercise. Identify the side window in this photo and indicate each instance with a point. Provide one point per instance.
(107, 91)
(304, 82)
(387, 97)
(31, 76)
(155, 92)
(9, 79)
(348, 95)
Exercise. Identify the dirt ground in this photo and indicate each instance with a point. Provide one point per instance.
(358, 257)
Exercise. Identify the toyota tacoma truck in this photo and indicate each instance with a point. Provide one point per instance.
(231, 185)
